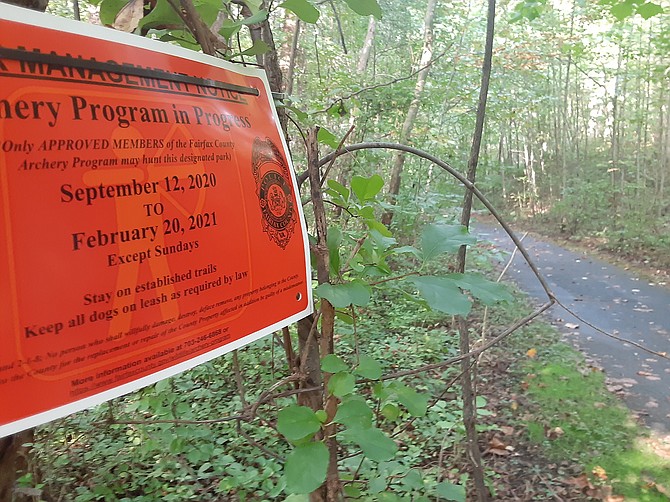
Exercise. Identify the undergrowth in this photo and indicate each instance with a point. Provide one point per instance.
(574, 417)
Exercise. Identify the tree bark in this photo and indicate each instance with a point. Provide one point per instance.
(270, 60)
(468, 392)
(14, 461)
(364, 56)
(424, 65)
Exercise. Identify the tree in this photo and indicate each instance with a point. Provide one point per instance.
(423, 70)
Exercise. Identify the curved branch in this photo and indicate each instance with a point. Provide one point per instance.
(464, 181)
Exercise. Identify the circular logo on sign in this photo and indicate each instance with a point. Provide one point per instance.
(276, 202)
(275, 195)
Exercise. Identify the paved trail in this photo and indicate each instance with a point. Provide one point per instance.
(617, 302)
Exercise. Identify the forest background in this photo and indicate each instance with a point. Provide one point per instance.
(575, 140)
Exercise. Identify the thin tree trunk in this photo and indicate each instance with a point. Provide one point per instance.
(290, 71)
(399, 157)
(269, 60)
(468, 393)
(364, 57)
(14, 461)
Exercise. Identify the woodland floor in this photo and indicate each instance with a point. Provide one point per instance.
(522, 469)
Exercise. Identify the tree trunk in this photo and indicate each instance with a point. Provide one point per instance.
(364, 57)
(14, 461)
(270, 60)
(290, 71)
(424, 65)
(468, 393)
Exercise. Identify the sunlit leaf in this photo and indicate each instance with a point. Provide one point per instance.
(303, 9)
(327, 138)
(365, 7)
(622, 10)
(366, 188)
(648, 10)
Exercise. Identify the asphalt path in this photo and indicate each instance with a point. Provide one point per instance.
(615, 301)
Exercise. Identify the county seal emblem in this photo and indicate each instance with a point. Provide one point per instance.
(273, 188)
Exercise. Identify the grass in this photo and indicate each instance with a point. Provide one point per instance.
(576, 418)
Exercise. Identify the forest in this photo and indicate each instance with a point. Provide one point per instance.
(420, 376)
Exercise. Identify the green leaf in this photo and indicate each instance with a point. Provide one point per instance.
(450, 491)
(343, 295)
(231, 27)
(321, 415)
(365, 7)
(259, 47)
(297, 422)
(437, 239)
(298, 112)
(368, 368)
(443, 294)
(375, 444)
(382, 241)
(352, 492)
(408, 250)
(341, 384)
(327, 138)
(390, 411)
(622, 10)
(354, 412)
(366, 188)
(110, 8)
(333, 364)
(334, 241)
(648, 10)
(339, 189)
(306, 468)
(303, 9)
(488, 292)
(415, 402)
(413, 480)
(297, 498)
(377, 485)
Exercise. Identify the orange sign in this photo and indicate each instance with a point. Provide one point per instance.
(148, 215)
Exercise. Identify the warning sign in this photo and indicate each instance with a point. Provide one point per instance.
(149, 216)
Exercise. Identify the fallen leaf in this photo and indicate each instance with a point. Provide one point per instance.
(532, 353)
(507, 430)
(599, 472)
(555, 433)
(581, 482)
(129, 16)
